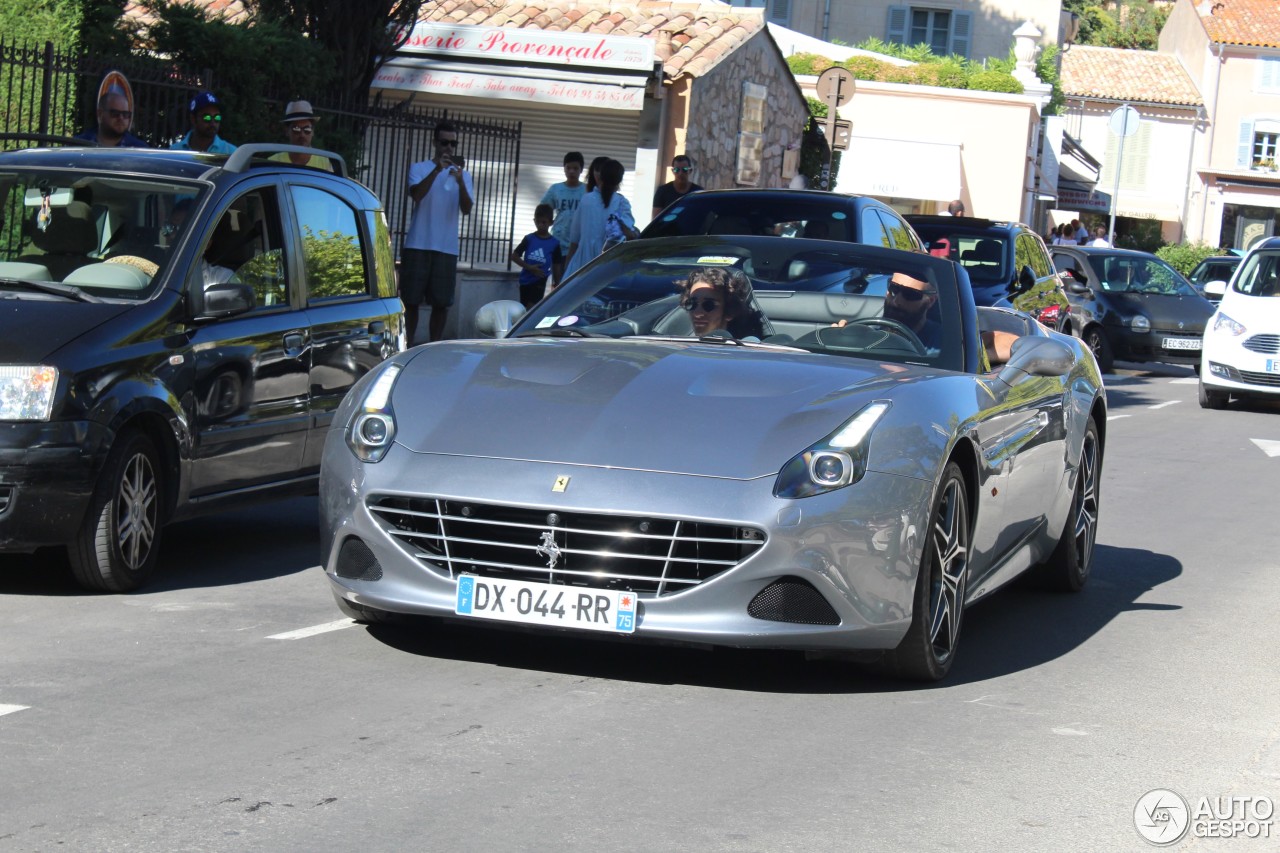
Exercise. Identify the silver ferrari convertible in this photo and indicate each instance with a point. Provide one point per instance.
(738, 441)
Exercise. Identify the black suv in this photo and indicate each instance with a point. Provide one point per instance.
(178, 330)
(1008, 264)
(785, 213)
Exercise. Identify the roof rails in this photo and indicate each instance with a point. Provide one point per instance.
(47, 139)
(243, 156)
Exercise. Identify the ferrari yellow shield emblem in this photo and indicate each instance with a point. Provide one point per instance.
(562, 483)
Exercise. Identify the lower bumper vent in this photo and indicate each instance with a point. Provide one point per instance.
(791, 599)
(356, 562)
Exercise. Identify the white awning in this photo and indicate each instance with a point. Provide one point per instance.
(591, 88)
(900, 168)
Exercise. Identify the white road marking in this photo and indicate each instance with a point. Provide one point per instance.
(1186, 380)
(313, 630)
(1115, 417)
(1166, 403)
(1069, 732)
(9, 709)
(1267, 446)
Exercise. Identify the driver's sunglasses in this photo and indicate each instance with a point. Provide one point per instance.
(307, 129)
(451, 143)
(909, 294)
(682, 168)
(120, 113)
(706, 305)
(217, 117)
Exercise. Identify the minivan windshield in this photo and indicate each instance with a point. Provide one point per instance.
(1259, 276)
(103, 235)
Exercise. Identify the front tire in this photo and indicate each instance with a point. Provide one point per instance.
(1096, 340)
(118, 543)
(926, 652)
(1068, 567)
(1211, 399)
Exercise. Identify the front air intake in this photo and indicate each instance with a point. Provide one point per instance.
(794, 600)
(356, 562)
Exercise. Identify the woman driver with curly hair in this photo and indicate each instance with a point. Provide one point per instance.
(720, 299)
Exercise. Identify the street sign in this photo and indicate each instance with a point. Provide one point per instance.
(835, 86)
(1124, 121)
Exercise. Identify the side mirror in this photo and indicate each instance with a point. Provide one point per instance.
(227, 299)
(1026, 278)
(1214, 289)
(1038, 356)
(495, 319)
(1079, 288)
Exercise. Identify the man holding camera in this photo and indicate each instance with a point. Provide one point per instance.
(442, 193)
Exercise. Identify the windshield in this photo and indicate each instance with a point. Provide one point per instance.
(845, 300)
(980, 252)
(1259, 276)
(99, 235)
(1139, 274)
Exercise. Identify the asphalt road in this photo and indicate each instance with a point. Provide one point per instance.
(191, 716)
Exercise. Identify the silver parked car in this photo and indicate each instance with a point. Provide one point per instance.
(845, 476)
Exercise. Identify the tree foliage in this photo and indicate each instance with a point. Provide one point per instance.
(38, 21)
(1183, 257)
(1134, 24)
(354, 33)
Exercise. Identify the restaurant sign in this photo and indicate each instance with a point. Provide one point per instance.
(528, 45)
(437, 81)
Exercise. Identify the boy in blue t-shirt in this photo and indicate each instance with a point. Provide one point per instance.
(564, 198)
(538, 257)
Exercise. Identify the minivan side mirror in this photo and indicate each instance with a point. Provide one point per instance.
(1214, 289)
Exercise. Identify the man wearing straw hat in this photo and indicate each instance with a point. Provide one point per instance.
(300, 127)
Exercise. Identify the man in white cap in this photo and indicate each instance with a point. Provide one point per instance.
(300, 127)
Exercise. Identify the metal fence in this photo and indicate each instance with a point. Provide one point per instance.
(48, 91)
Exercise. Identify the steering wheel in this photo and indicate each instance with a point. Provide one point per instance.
(897, 328)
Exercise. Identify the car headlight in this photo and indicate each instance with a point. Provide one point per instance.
(372, 429)
(1140, 323)
(26, 392)
(1223, 323)
(837, 461)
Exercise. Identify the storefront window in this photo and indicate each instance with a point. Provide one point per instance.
(1242, 225)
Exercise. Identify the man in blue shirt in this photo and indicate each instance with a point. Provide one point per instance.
(206, 121)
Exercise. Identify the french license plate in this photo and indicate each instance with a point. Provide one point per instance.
(546, 604)
(1181, 343)
(1273, 365)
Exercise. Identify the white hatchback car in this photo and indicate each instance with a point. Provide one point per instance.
(1241, 354)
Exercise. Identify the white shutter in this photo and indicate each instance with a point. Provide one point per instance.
(1268, 79)
(1137, 150)
(1244, 152)
(896, 29)
(780, 12)
(961, 33)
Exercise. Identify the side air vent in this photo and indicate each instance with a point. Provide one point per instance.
(356, 562)
(791, 599)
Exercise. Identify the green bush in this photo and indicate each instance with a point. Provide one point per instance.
(995, 81)
(1183, 257)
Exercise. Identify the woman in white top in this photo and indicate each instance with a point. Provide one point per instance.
(604, 216)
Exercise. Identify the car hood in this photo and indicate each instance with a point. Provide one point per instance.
(699, 409)
(1165, 311)
(36, 327)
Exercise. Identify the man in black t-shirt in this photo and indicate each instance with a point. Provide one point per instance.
(681, 167)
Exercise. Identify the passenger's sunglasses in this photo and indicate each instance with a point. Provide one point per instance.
(908, 294)
(450, 143)
(217, 117)
(706, 305)
(120, 113)
(682, 168)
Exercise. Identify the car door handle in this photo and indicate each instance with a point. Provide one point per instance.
(377, 327)
(294, 343)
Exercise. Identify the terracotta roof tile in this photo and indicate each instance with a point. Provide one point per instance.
(1127, 75)
(137, 15)
(1248, 22)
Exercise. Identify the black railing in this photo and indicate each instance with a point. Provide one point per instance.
(48, 91)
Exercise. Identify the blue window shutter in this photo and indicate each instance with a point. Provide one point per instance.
(780, 11)
(896, 32)
(961, 33)
(1244, 154)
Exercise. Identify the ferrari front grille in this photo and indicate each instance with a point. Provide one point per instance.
(646, 555)
(1264, 344)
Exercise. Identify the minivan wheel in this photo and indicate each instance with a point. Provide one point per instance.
(118, 543)
(1096, 340)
